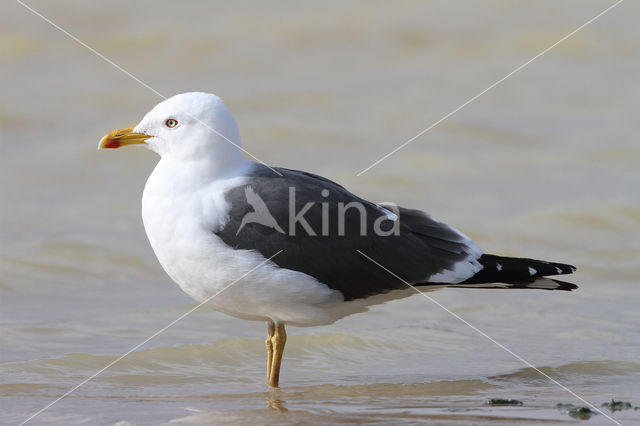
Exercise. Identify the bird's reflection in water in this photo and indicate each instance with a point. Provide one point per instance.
(274, 403)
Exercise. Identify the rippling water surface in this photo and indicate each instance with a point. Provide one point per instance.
(544, 165)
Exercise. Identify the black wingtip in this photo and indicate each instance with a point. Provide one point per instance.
(566, 269)
(564, 285)
(516, 270)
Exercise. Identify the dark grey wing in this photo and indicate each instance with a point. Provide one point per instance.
(318, 245)
(311, 175)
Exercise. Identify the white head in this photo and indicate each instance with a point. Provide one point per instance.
(186, 127)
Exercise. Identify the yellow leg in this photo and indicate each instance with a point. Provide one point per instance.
(271, 330)
(278, 341)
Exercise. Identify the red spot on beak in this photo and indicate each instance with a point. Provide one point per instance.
(110, 143)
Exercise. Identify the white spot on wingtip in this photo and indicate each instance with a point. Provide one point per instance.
(498, 267)
(559, 270)
(532, 271)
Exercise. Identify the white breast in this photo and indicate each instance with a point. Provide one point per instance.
(180, 216)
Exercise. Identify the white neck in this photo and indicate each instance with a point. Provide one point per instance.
(184, 176)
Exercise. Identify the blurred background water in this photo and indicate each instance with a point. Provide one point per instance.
(545, 165)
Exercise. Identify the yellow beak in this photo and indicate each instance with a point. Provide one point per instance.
(122, 137)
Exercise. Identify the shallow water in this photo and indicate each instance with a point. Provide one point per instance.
(544, 165)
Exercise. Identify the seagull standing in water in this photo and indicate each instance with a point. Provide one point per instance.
(311, 251)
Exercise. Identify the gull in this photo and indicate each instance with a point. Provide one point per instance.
(315, 251)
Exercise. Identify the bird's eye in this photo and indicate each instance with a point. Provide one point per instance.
(171, 123)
